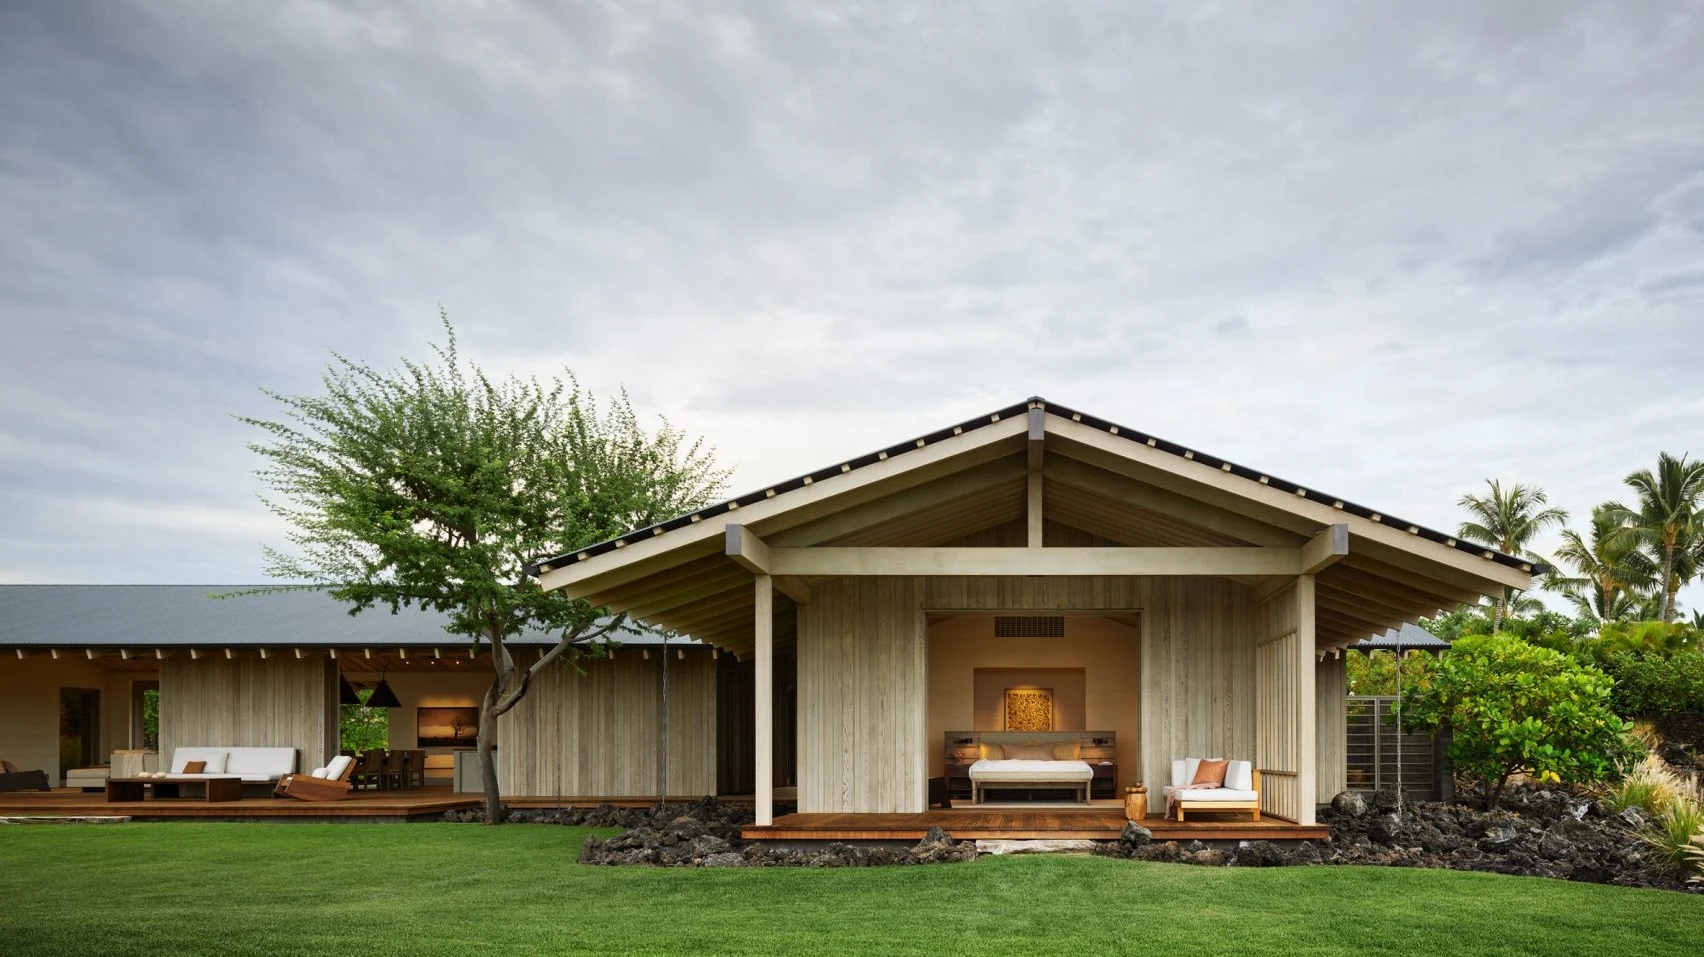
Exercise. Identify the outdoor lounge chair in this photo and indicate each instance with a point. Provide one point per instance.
(330, 783)
(12, 779)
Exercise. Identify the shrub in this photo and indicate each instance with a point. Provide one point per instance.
(1512, 706)
(1649, 684)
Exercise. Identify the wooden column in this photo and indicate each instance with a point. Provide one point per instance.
(1307, 743)
(764, 699)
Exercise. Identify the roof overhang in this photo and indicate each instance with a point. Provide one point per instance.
(1155, 507)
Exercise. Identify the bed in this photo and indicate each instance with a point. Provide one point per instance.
(1021, 772)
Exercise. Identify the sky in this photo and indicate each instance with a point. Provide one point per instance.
(1388, 253)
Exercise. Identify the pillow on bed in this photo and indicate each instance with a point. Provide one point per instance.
(1067, 751)
(1029, 752)
(993, 752)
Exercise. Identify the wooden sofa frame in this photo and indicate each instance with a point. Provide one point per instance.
(306, 787)
(1253, 807)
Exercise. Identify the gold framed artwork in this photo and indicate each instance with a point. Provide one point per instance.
(1029, 709)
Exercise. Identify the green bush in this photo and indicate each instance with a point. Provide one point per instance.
(1650, 685)
(1514, 707)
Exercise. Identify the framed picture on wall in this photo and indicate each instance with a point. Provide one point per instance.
(447, 727)
(1029, 709)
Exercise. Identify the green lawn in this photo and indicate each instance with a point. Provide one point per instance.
(418, 890)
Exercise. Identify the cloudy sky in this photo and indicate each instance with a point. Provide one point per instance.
(1386, 254)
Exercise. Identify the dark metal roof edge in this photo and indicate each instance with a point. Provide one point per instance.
(1104, 425)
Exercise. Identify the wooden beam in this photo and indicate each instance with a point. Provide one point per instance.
(763, 606)
(746, 549)
(752, 554)
(1325, 549)
(654, 553)
(1033, 510)
(1134, 493)
(1252, 497)
(836, 562)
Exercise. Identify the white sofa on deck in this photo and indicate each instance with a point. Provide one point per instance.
(1240, 793)
(253, 765)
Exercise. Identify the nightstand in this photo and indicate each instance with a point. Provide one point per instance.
(1105, 782)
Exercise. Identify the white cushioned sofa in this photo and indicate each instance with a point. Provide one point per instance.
(253, 765)
(1240, 793)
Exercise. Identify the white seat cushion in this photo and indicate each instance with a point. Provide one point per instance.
(317, 773)
(1217, 794)
(338, 765)
(253, 765)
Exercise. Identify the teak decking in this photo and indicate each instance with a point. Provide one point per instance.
(1061, 824)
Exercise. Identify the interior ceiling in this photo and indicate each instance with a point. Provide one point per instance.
(1085, 492)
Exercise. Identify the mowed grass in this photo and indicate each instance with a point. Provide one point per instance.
(427, 889)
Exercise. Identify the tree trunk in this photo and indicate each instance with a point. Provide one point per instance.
(1497, 611)
(1670, 586)
(1496, 793)
(487, 754)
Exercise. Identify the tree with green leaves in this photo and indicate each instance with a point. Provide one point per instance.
(1669, 521)
(1613, 578)
(1513, 707)
(433, 485)
(1508, 520)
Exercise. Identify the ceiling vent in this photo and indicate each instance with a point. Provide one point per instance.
(1024, 626)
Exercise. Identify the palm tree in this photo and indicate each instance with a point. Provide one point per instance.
(1508, 520)
(1613, 576)
(1668, 521)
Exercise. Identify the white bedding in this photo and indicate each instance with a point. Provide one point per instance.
(987, 770)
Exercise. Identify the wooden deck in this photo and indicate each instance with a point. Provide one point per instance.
(376, 806)
(1094, 824)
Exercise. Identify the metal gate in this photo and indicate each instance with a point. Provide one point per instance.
(1373, 750)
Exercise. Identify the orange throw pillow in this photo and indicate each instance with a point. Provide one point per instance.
(198, 767)
(1211, 772)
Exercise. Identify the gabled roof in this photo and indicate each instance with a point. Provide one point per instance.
(1103, 485)
(729, 506)
(175, 616)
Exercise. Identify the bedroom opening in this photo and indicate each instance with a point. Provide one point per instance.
(1033, 709)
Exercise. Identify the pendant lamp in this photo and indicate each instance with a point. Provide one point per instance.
(383, 696)
(346, 692)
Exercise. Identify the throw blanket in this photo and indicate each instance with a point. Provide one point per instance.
(1174, 794)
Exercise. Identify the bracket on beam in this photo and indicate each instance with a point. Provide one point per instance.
(1325, 549)
(752, 554)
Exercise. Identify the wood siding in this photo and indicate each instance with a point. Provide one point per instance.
(250, 701)
(1275, 697)
(597, 732)
(862, 680)
(1331, 725)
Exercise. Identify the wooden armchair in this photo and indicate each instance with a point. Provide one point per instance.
(330, 783)
(12, 779)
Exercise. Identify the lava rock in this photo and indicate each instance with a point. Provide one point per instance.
(1349, 803)
(1135, 835)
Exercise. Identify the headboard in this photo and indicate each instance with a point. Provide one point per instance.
(1101, 744)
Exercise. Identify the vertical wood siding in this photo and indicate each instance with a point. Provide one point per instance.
(597, 733)
(1275, 694)
(862, 679)
(1331, 725)
(249, 701)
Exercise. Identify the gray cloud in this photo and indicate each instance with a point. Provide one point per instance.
(1384, 253)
